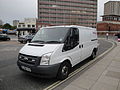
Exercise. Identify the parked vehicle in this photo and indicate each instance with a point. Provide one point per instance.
(4, 37)
(12, 32)
(118, 37)
(25, 38)
(55, 50)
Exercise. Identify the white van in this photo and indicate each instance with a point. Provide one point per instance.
(54, 50)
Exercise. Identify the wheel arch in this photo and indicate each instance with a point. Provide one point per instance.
(67, 59)
(95, 49)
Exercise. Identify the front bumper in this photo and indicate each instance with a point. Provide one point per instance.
(46, 71)
(21, 40)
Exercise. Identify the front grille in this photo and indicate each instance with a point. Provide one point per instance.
(32, 60)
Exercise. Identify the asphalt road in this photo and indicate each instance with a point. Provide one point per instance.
(11, 78)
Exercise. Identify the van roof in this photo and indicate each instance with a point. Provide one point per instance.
(70, 26)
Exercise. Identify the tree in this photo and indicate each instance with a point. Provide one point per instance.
(0, 26)
(13, 27)
(7, 26)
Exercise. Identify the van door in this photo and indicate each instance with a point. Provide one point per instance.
(86, 43)
(71, 46)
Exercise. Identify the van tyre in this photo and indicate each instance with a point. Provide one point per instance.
(21, 41)
(63, 71)
(93, 55)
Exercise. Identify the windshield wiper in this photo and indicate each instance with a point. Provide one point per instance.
(53, 42)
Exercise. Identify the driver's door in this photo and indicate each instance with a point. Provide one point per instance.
(71, 47)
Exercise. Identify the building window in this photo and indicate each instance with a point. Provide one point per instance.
(19, 25)
(33, 25)
(23, 25)
(29, 25)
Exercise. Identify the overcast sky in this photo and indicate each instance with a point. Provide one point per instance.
(19, 9)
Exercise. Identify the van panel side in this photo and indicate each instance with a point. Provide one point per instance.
(88, 39)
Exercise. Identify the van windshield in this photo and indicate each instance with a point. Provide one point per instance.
(51, 35)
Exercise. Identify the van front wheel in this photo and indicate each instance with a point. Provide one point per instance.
(63, 71)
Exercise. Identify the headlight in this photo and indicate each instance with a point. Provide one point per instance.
(45, 59)
(19, 56)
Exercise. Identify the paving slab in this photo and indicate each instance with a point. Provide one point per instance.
(109, 80)
(113, 74)
(103, 86)
(115, 64)
(72, 87)
(112, 68)
(118, 88)
(83, 83)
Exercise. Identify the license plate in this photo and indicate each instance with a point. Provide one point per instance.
(26, 68)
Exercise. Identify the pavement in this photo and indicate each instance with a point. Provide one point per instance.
(104, 75)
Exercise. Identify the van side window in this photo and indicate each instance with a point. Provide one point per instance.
(72, 39)
(75, 37)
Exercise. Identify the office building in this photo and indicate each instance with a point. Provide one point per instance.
(112, 8)
(67, 12)
(1, 22)
(28, 26)
(15, 22)
(109, 23)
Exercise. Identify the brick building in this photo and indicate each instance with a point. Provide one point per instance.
(67, 12)
(110, 23)
(111, 18)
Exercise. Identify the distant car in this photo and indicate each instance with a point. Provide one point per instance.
(4, 37)
(13, 32)
(25, 38)
(118, 37)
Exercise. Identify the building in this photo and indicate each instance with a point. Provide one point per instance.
(15, 22)
(1, 22)
(27, 27)
(111, 19)
(112, 8)
(67, 12)
(109, 23)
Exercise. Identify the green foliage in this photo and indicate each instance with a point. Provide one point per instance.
(0, 26)
(14, 27)
(8, 26)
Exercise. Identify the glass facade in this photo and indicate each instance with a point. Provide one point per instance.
(67, 12)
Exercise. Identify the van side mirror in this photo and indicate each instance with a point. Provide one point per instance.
(66, 47)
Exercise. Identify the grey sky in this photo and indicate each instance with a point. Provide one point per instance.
(19, 9)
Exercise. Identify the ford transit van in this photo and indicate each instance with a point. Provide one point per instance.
(55, 50)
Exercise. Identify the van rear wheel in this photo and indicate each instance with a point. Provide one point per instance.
(93, 55)
(63, 71)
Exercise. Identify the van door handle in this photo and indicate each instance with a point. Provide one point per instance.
(81, 46)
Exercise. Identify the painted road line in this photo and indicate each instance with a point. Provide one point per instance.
(54, 85)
